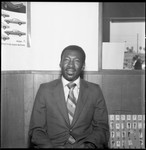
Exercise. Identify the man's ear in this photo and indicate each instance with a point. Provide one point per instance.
(83, 67)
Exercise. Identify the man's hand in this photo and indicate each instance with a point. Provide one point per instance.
(59, 147)
(81, 146)
(89, 145)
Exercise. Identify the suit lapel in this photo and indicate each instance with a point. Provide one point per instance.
(60, 101)
(83, 96)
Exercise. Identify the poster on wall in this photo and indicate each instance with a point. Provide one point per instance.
(15, 23)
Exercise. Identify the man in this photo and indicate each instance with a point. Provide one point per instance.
(70, 112)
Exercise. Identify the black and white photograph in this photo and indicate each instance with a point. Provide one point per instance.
(72, 75)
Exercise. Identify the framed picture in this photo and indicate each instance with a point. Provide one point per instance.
(131, 32)
(15, 23)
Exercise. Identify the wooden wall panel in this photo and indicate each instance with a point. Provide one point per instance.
(28, 103)
(13, 112)
(3, 111)
(132, 99)
(111, 86)
(122, 93)
(94, 78)
(143, 93)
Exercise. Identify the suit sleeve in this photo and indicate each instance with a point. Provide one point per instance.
(100, 133)
(38, 134)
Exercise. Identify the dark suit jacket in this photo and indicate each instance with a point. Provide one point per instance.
(49, 125)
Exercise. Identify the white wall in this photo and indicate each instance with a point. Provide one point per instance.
(54, 26)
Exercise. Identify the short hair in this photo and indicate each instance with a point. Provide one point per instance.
(75, 48)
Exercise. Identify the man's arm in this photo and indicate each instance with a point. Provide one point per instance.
(38, 134)
(100, 135)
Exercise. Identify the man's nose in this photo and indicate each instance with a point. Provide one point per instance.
(71, 63)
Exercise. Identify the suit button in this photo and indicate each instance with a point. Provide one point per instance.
(70, 130)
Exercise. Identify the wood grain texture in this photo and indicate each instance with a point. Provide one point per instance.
(132, 95)
(13, 112)
(112, 92)
(123, 94)
(28, 103)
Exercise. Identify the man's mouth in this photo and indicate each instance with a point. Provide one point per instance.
(70, 71)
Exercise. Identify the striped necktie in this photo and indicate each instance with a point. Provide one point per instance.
(71, 101)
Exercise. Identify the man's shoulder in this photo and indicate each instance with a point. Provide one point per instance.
(50, 84)
(94, 88)
(91, 84)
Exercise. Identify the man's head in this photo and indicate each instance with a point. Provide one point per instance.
(72, 62)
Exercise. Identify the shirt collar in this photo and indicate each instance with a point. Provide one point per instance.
(65, 82)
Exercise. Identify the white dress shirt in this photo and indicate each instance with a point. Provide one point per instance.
(66, 89)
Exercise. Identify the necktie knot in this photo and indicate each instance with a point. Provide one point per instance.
(71, 85)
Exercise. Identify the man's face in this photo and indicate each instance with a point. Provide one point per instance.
(71, 64)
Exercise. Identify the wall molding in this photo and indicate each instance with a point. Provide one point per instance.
(57, 72)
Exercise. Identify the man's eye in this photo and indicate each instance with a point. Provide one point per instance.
(66, 59)
(77, 60)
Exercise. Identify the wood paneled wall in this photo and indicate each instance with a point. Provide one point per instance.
(124, 94)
